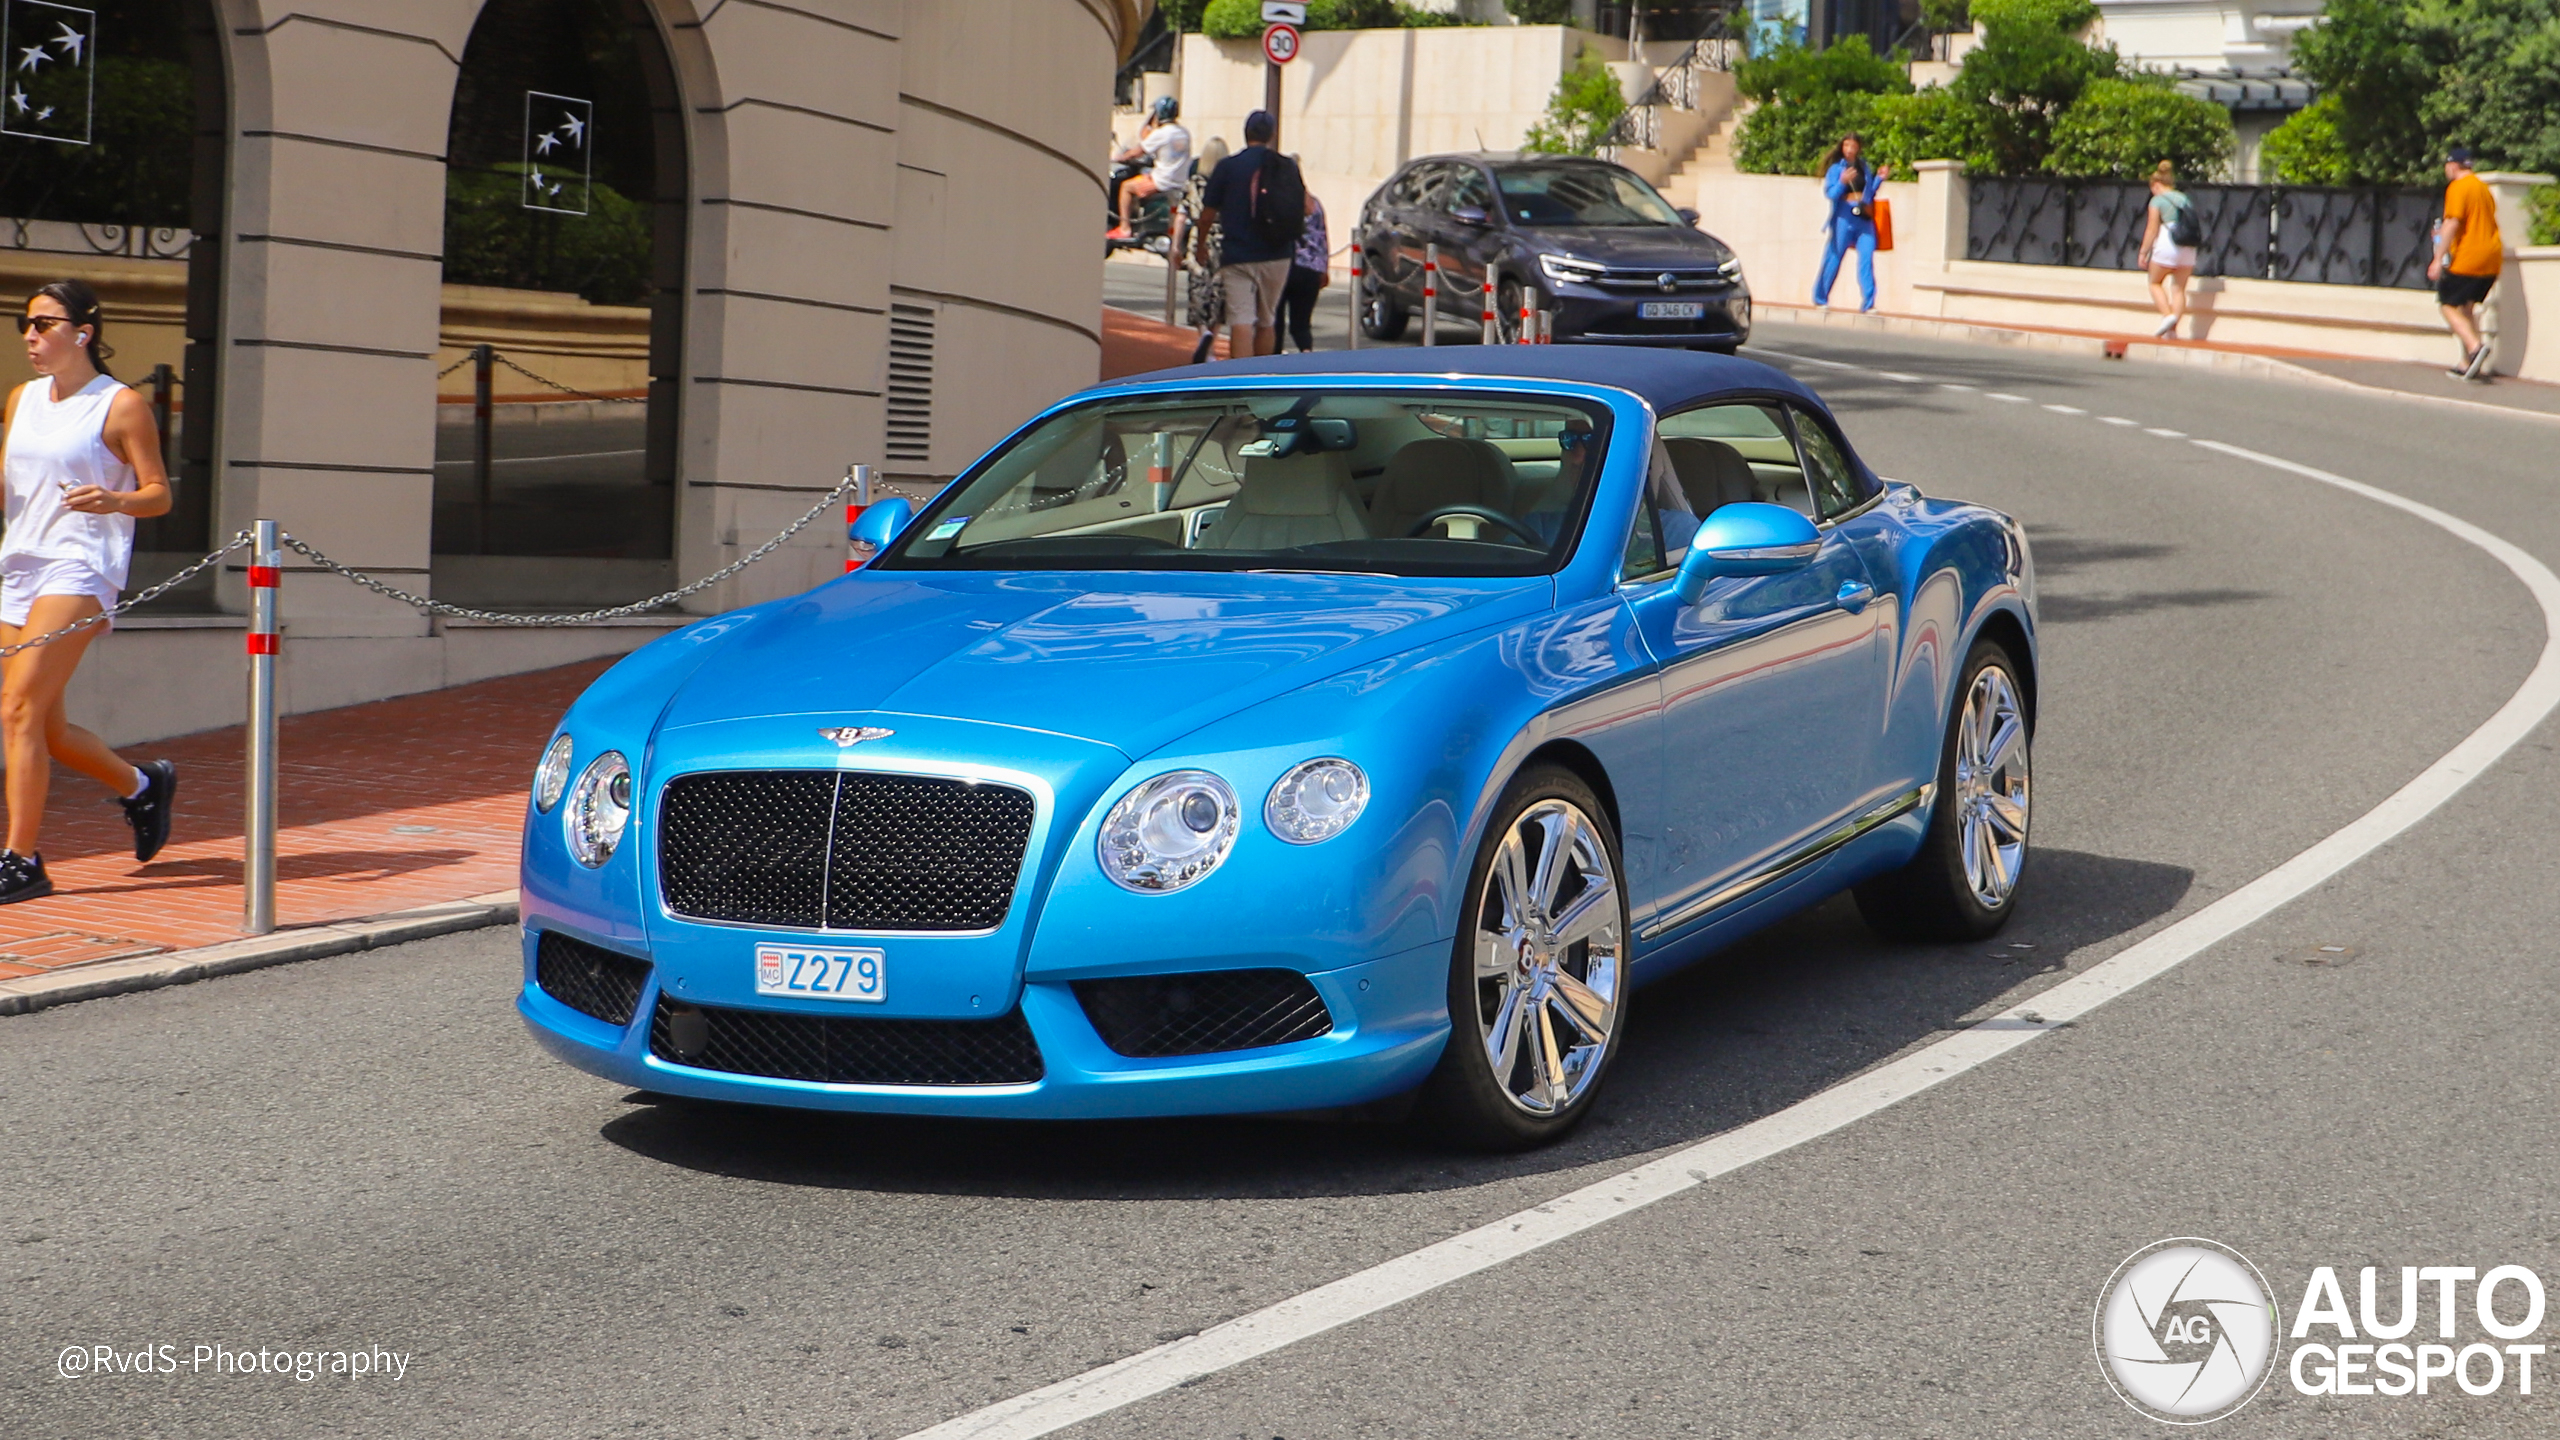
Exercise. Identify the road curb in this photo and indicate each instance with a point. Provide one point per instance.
(2148, 351)
(309, 942)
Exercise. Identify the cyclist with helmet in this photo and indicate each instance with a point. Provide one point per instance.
(1166, 146)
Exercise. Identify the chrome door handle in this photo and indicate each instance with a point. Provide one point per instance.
(1853, 595)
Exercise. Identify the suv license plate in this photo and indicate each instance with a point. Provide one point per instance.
(1671, 309)
(860, 975)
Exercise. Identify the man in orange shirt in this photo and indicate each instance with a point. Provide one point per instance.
(2468, 256)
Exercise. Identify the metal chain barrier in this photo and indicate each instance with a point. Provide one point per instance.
(129, 602)
(499, 617)
(501, 358)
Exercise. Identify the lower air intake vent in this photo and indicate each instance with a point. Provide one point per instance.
(833, 1050)
(1199, 1014)
(589, 979)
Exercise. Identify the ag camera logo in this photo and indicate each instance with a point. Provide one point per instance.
(2186, 1331)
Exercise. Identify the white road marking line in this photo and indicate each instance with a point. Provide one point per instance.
(2000, 395)
(2066, 410)
(1152, 1372)
(2117, 420)
(1951, 385)
(2164, 434)
(1905, 379)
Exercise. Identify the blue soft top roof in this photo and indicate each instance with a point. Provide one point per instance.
(1668, 380)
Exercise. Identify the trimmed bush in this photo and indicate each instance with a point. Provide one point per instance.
(2307, 149)
(1585, 104)
(2542, 214)
(1932, 124)
(2120, 129)
(1808, 99)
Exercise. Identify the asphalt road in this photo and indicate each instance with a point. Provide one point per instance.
(367, 1151)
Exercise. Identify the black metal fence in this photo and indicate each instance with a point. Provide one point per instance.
(2314, 233)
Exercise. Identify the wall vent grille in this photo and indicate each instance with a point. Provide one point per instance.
(910, 385)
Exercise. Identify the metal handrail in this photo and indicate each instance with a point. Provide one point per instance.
(1676, 86)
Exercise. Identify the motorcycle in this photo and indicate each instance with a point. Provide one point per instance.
(1150, 223)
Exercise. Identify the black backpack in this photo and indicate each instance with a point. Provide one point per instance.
(1276, 202)
(2186, 229)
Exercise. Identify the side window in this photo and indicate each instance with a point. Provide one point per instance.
(1644, 547)
(1736, 451)
(1431, 187)
(1836, 487)
(1408, 187)
(1664, 522)
(1467, 187)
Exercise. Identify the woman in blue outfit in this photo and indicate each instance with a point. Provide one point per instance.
(1850, 184)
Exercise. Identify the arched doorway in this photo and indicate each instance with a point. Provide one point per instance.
(113, 142)
(562, 340)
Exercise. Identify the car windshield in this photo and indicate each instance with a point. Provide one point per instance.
(1580, 195)
(1372, 481)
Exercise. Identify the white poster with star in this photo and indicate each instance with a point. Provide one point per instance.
(559, 141)
(52, 57)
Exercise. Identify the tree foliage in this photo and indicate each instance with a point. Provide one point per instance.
(1242, 19)
(1586, 102)
(1540, 12)
(1931, 124)
(2029, 68)
(2414, 77)
(1808, 99)
(2122, 128)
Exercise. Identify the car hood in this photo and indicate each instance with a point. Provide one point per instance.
(1628, 246)
(1133, 661)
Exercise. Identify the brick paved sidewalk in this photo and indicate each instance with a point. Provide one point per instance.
(382, 807)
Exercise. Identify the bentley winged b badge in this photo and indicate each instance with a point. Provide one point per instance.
(847, 736)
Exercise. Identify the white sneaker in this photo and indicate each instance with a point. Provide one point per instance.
(2167, 328)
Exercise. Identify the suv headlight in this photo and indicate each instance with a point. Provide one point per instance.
(552, 775)
(1731, 269)
(599, 809)
(1316, 801)
(1170, 832)
(1567, 271)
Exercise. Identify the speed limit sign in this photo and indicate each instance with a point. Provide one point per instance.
(1280, 44)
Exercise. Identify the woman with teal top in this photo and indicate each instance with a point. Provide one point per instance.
(1850, 184)
(2169, 238)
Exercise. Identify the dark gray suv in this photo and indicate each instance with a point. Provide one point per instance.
(1590, 241)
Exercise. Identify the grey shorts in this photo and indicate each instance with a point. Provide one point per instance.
(1253, 290)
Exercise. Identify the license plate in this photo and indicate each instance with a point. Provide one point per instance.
(861, 975)
(1670, 309)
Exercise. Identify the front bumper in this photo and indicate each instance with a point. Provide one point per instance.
(1390, 1019)
(1587, 315)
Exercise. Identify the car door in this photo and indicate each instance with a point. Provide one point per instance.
(1417, 202)
(1769, 688)
(1465, 245)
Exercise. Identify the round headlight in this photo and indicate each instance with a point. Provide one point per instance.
(552, 775)
(1316, 801)
(599, 808)
(1170, 832)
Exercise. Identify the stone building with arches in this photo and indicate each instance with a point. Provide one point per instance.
(696, 255)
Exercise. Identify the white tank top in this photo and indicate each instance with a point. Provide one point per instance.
(57, 445)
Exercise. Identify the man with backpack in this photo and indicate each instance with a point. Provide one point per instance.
(1257, 201)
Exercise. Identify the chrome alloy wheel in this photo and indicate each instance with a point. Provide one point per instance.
(1991, 786)
(1549, 958)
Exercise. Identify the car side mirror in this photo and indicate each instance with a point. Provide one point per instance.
(1470, 215)
(1746, 538)
(1688, 216)
(882, 522)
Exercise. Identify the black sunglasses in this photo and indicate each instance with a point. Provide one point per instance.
(40, 323)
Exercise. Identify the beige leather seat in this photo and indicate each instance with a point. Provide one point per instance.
(1711, 472)
(1428, 474)
(1293, 500)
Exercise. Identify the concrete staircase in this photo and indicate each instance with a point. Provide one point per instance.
(1712, 155)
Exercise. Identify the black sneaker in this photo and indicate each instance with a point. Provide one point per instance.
(148, 813)
(2477, 367)
(2469, 359)
(22, 877)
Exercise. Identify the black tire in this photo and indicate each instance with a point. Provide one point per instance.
(1466, 1101)
(1382, 317)
(1936, 895)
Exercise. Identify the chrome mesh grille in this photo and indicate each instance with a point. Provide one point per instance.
(841, 850)
(1205, 1012)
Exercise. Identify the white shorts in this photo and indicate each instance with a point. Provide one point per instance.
(24, 577)
(2176, 257)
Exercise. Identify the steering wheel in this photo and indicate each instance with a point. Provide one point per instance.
(1491, 516)
(1478, 512)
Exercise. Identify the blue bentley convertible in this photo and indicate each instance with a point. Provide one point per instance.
(1291, 734)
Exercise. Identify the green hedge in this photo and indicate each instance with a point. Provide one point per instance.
(2307, 149)
(1242, 19)
(2120, 129)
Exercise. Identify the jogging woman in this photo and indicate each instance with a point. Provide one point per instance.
(82, 461)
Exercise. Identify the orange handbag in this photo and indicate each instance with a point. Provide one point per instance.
(1884, 224)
